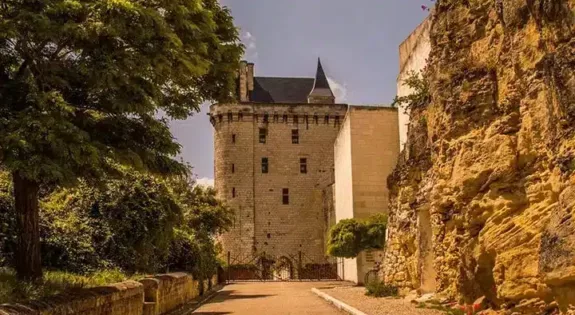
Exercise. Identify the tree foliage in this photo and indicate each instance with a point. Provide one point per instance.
(350, 237)
(82, 83)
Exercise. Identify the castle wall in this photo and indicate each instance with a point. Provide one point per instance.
(366, 153)
(344, 191)
(413, 54)
(240, 154)
(263, 223)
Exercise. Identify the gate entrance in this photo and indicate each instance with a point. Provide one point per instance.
(265, 267)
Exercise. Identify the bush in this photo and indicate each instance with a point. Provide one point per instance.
(138, 223)
(54, 282)
(380, 289)
(7, 220)
(350, 237)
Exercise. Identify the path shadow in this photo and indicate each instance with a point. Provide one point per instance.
(229, 295)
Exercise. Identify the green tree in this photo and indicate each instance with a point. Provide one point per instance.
(194, 247)
(350, 237)
(82, 83)
(127, 223)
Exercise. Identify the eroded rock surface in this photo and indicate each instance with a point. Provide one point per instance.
(491, 159)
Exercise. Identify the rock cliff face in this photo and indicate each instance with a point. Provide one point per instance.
(482, 200)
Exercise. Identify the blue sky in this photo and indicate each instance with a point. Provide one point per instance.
(357, 41)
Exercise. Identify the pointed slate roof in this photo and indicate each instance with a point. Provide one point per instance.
(281, 90)
(290, 90)
(321, 85)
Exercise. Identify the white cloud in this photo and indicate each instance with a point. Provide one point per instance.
(205, 181)
(339, 90)
(251, 53)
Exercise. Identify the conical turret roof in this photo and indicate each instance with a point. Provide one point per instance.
(321, 85)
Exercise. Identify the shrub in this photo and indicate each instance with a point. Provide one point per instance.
(350, 237)
(137, 223)
(380, 289)
(54, 282)
(7, 220)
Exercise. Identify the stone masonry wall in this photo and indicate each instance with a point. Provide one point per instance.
(154, 295)
(263, 223)
(413, 54)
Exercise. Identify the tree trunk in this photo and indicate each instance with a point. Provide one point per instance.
(28, 262)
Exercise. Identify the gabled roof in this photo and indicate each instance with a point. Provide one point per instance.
(281, 90)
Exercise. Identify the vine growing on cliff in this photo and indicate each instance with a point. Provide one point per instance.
(420, 95)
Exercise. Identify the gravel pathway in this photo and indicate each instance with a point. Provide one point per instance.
(355, 296)
(269, 298)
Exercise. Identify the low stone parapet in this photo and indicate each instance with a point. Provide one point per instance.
(154, 295)
(116, 299)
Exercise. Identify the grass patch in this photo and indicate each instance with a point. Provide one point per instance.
(54, 282)
(380, 289)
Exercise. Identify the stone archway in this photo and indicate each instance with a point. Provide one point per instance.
(283, 269)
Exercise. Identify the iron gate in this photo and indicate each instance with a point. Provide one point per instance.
(266, 267)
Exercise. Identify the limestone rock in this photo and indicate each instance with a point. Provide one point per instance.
(484, 192)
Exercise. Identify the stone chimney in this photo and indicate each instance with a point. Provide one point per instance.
(243, 82)
(250, 78)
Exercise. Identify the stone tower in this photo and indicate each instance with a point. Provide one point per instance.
(274, 159)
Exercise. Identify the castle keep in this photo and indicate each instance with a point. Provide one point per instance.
(274, 159)
(292, 163)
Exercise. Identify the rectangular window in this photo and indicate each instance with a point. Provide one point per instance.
(303, 166)
(265, 166)
(234, 192)
(276, 117)
(263, 135)
(230, 117)
(337, 120)
(234, 138)
(315, 119)
(266, 118)
(284, 118)
(220, 117)
(233, 168)
(295, 119)
(295, 136)
(240, 116)
(326, 119)
(285, 196)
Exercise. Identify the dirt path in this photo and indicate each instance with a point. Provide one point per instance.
(254, 298)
